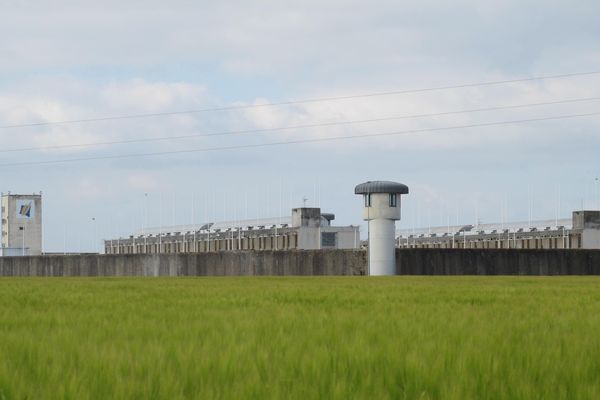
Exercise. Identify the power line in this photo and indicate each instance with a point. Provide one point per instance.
(299, 141)
(302, 101)
(315, 125)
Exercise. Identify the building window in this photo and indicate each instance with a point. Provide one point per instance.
(368, 200)
(393, 200)
(328, 239)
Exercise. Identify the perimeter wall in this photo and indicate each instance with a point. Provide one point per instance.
(497, 262)
(226, 263)
(310, 262)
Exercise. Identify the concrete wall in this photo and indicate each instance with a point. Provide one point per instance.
(326, 262)
(307, 217)
(307, 262)
(309, 238)
(348, 237)
(497, 262)
(589, 223)
(590, 239)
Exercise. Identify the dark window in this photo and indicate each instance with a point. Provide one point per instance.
(368, 200)
(393, 200)
(328, 239)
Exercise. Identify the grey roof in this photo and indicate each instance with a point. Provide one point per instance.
(381, 187)
(328, 216)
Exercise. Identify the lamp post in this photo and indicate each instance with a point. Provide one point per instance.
(596, 180)
(22, 228)
(145, 222)
(464, 230)
(95, 234)
(145, 209)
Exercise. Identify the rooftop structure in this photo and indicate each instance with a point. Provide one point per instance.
(305, 229)
(381, 187)
(582, 231)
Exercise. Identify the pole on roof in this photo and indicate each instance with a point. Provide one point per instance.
(65, 239)
(173, 210)
(22, 228)
(194, 246)
(596, 181)
(529, 206)
(160, 228)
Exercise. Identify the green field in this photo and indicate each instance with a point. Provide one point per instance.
(302, 338)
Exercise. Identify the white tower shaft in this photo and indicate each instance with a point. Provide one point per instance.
(382, 247)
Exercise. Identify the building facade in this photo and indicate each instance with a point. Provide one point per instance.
(21, 224)
(582, 231)
(305, 229)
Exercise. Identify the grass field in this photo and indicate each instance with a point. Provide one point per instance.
(302, 338)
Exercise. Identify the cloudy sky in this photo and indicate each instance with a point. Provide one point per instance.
(78, 60)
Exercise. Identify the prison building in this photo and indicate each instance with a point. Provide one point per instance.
(582, 231)
(306, 229)
(21, 224)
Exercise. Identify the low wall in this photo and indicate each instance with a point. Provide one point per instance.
(327, 262)
(497, 262)
(310, 262)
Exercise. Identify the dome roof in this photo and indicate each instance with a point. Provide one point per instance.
(328, 216)
(381, 187)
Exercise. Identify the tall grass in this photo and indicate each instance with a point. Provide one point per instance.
(301, 338)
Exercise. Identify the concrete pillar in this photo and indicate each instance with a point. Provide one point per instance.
(382, 251)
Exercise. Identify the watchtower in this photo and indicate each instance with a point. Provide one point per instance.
(381, 210)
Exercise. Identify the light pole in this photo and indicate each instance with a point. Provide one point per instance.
(146, 209)
(596, 180)
(95, 234)
(22, 228)
(145, 224)
(65, 240)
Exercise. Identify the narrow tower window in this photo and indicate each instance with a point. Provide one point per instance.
(393, 200)
(368, 200)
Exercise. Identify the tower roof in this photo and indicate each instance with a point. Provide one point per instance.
(381, 187)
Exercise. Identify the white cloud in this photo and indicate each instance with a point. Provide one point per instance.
(148, 97)
(439, 102)
(46, 103)
(343, 38)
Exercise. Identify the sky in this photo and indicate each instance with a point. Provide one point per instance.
(79, 60)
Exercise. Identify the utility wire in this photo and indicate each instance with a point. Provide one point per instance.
(303, 101)
(315, 125)
(299, 141)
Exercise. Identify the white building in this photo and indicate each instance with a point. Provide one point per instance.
(582, 231)
(305, 229)
(21, 224)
